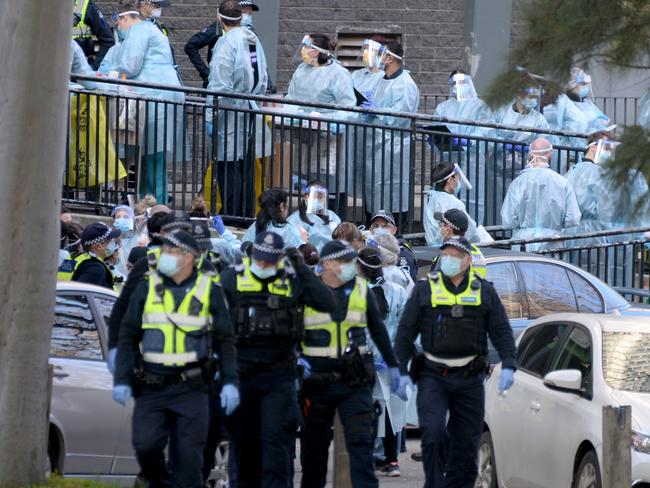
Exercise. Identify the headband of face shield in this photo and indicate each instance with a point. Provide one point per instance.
(464, 182)
(114, 17)
(605, 150)
(462, 87)
(225, 17)
(309, 44)
(316, 199)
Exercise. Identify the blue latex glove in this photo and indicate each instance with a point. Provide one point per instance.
(394, 379)
(218, 224)
(404, 383)
(460, 141)
(337, 128)
(380, 364)
(122, 394)
(306, 367)
(516, 147)
(229, 398)
(209, 129)
(112, 356)
(506, 380)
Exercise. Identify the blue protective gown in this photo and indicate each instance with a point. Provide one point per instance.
(596, 118)
(365, 80)
(540, 203)
(441, 201)
(231, 71)
(387, 172)
(79, 66)
(319, 233)
(289, 233)
(565, 115)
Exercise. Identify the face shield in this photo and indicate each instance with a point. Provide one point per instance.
(308, 51)
(530, 98)
(605, 149)
(580, 83)
(316, 199)
(372, 54)
(462, 87)
(462, 179)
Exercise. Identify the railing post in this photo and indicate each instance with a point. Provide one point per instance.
(341, 457)
(617, 456)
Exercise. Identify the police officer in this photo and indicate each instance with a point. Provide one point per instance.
(98, 241)
(151, 10)
(266, 296)
(339, 370)
(454, 311)
(384, 221)
(176, 320)
(88, 21)
(454, 222)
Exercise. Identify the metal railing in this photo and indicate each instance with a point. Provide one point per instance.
(121, 141)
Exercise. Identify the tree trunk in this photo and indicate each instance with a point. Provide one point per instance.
(34, 56)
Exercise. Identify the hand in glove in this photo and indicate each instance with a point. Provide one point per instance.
(122, 394)
(370, 100)
(380, 364)
(229, 398)
(394, 379)
(506, 380)
(404, 383)
(218, 224)
(112, 356)
(306, 367)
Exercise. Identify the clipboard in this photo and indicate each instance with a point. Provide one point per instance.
(360, 98)
(443, 142)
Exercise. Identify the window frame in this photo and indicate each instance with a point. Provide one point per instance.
(589, 283)
(534, 330)
(588, 393)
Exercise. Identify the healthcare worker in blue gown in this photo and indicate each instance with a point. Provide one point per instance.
(579, 90)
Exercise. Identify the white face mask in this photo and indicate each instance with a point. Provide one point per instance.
(246, 19)
(156, 13)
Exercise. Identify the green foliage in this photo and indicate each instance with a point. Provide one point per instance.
(565, 33)
(59, 482)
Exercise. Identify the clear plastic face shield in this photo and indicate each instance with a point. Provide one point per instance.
(530, 98)
(461, 87)
(581, 83)
(316, 199)
(463, 182)
(308, 51)
(605, 150)
(372, 53)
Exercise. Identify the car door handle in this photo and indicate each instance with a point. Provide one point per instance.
(535, 406)
(59, 372)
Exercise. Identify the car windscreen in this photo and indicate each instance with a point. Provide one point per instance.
(626, 362)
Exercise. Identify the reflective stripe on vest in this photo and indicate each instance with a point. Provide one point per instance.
(81, 30)
(69, 266)
(356, 317)
(165, 333)
(478, 262)
(441, 296)
(247, 283)
(153, 254)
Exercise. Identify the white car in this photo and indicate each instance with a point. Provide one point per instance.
(546, 431)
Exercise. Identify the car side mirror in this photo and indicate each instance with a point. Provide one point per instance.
(568, 380)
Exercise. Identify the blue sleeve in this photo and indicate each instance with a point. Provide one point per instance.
(134, 49)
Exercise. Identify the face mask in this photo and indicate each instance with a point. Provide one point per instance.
(380, 231)
(316, 206)
(124, 224)
(121, 34)
(246, 19)
(454, 92)
(584, 92)
(347, 272)
(450, 266)
(168, 264)
(110, 249)
(156, 13)
(529, 103)
(604, 156)
(263, 273)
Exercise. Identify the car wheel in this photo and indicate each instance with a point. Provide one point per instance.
(588, 473)
(487, 470)
(50, 460)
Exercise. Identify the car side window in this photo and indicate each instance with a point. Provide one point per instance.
(538, 346)
(74, 334)
(504, 278)
(548, 288)
(588, 298)
(104, 306)
(576, 354)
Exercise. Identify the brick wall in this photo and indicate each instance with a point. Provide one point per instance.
(518, 26)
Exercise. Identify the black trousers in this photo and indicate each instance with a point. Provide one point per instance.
(216, 428)
(263, 427)
(176, 415)
(464, 399)
(237, 186)
(355, 407)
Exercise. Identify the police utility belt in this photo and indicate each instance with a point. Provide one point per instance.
(454, 340)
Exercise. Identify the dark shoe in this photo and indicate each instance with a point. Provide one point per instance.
(391, 470)
(417, 457)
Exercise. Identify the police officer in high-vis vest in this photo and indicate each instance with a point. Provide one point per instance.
(88, 21)
(176, 322)
(339, 370)
(267, 295)
(454, 222)
(98, 242)
(454, 311)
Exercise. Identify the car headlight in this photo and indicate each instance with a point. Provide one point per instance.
(641, 442)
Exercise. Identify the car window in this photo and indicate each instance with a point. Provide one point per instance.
(576, 354)
(548, 289)
(504, 278)
(587, 296)
(74, 334)
(104, 306)
(537, 347)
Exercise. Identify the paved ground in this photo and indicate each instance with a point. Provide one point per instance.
(411, 472)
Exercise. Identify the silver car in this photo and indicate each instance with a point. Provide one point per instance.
(90, 434)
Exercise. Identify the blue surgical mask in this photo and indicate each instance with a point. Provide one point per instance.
(529, 103)
(316, 206)
(584, 92)
(110, 249)
(121, 34)
(347, 272)
(246, 19)
(450, 265)
(168, 264)
(263, 273)
(124, 224)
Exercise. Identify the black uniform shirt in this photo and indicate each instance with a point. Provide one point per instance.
(100, 28)
(130, 333)
(418, 314)
(93, 272)
(207, 37)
